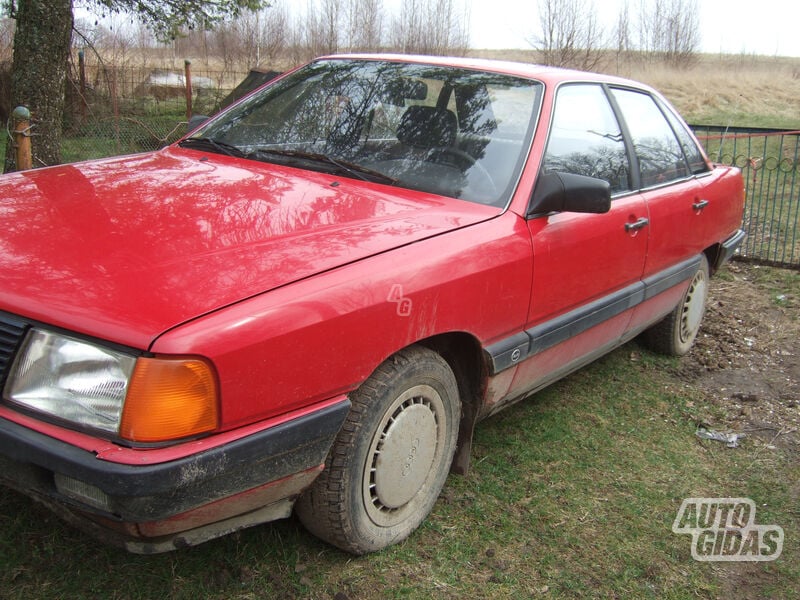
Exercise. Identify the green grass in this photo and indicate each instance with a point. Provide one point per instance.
(572, 494)
(110, 137)
(738, 118)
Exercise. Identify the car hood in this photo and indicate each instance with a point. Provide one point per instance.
(127, 248)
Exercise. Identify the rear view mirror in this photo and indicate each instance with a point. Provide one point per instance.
(568, 192)
(398, 91)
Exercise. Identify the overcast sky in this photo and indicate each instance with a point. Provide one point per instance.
(770, 27)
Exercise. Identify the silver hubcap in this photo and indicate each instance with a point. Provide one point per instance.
(693, 307)
(404, 456)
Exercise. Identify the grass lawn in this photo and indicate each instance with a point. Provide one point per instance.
(572, 494)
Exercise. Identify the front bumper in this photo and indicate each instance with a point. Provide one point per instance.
(163, 501)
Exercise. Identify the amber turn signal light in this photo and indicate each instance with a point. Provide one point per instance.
(169, 399)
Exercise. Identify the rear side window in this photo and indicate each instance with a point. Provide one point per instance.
(585, 137)
(697, 164)
(660, 156)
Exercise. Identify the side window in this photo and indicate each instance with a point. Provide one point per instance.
(585, 137)
(697, 164)
(661, 158)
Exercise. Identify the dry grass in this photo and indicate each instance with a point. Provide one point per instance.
(740, 90)
(731, 90)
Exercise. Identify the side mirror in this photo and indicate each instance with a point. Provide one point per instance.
(568, 192)
(195, 122)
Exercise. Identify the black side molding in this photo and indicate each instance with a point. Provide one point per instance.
(510, 351)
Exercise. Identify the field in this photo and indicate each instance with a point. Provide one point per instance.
(733, 90)
(573, 492)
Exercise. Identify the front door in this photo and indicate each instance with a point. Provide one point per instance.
(587, 268)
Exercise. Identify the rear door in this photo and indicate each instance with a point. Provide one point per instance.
(668, 184)
(678, 209)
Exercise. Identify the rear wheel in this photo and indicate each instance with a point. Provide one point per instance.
(391, 458)
(675, 334)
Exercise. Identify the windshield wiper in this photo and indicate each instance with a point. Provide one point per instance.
(354, 169)
(208, 143)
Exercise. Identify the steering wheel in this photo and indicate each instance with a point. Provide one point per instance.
(469, 160)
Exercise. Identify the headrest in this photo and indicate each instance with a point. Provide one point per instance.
(427, 127)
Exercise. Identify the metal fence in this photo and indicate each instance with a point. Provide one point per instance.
(770, 163)
(112, 110)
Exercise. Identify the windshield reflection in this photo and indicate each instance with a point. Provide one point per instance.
(448, 131)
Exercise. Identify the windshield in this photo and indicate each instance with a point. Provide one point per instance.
(444, 130)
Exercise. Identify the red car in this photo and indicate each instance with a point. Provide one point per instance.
(310, 301)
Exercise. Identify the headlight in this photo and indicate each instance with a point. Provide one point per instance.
(71, 380)
(142, 400)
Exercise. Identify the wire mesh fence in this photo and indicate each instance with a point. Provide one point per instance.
(111, 110)
(770, 163)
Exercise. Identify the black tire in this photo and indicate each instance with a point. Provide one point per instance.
(675, 334)
(391, 457)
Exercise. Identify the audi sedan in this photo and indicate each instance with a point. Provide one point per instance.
(309, 302)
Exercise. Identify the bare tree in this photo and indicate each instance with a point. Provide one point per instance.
(274, 31)
(250, 39)
(6, 48)
(365, 25)
(119, 40)
(683, 33)
(622, 34)
(323, 21)
(6, 38)
(570, 35)
(669, 31)
(431, 27)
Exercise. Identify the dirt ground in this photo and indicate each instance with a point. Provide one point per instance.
(746, 361)
(746, 368)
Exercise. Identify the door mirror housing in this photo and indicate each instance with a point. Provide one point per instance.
(567, 192)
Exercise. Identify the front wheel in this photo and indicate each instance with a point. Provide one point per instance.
(391, 458)
(675, 334)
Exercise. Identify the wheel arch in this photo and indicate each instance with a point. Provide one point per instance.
(712, 253)
(463, 353)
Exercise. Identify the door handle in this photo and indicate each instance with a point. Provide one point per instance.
(700, 205)
(637, 225)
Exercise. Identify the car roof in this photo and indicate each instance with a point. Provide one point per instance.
(548, 75)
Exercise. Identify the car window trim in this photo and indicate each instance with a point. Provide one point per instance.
(634, 188)
(660, 105)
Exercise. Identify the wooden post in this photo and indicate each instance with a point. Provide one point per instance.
(187, 67)
(82, 72)
(112, 90)
(22, 137)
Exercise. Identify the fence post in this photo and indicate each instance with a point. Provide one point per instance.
(22, 137)
(82, 72)
(187, 67)
(112, 88)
